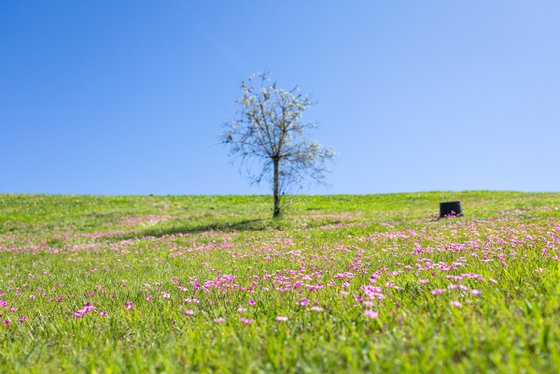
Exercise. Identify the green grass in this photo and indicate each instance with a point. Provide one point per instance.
(498, 266)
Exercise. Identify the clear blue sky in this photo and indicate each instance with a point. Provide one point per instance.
(128, 97)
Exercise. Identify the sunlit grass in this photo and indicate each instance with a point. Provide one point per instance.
(342, 283)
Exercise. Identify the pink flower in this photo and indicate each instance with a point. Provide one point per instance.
(149, 298)
(281, 318)
(246, 320)
(6, 322)
(78, 314)
(31, 297)
(241, 310)
(189, 312)
(371, 314)
(129, 305)
(219, 320)
(317, 308)
(22, 319)
(165, 295)
(455, 304)
(252, 302)
(103, 314)
(304, 302)
(475, 292)
(437, 291)
(13, 309)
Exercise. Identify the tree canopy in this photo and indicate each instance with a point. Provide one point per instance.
(270, 140)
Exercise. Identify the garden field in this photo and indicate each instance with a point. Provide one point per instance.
(373, 283)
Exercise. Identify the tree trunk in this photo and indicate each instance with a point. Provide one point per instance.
(276, 189)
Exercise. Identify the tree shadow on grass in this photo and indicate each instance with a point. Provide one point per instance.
(224, 227)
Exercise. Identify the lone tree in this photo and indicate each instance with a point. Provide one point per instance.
(270, 140)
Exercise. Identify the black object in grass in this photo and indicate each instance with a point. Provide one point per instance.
(450, 209)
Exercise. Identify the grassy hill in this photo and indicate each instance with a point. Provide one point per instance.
(342, 282)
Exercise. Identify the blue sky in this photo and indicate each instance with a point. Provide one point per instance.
(128, 97)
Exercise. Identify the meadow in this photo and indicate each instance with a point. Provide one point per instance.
(373, 283)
